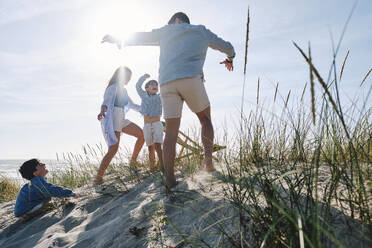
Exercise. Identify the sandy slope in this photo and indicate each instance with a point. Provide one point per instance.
(142, 216)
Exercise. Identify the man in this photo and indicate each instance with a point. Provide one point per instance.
(183, 48)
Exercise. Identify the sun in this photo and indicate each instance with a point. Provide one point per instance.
(119, 18)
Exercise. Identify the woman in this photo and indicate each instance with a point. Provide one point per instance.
(112, 116)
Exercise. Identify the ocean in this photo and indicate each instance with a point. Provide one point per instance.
(9, 167)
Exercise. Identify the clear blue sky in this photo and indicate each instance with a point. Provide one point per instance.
(53, 69)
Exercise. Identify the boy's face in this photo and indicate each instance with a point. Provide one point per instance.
(152, 89)
(41, 170)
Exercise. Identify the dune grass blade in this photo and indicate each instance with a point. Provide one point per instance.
(276, 91)
(246, 43)
(287, 99)
(312, 88)
(258, 91)
(325, 87)
(343, 64)
(365, 77)
(303, 92)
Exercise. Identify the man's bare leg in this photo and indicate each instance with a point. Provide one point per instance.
(169, 150)
(207, 137)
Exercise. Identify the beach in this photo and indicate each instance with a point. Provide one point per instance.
(137, 215)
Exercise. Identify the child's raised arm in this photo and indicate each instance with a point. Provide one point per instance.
(142, 79)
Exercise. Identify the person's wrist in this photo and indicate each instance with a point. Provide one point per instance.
(230, 58)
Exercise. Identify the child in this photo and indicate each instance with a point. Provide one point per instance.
(151, 110)
(38, 192)
(115, 105)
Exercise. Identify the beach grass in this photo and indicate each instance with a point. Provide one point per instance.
(291, 183)
(8, 188)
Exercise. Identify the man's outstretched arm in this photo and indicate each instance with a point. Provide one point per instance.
(221, 45)
(136, 39)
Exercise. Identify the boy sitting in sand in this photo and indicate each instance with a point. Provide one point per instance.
(35, 195)
(151, 109)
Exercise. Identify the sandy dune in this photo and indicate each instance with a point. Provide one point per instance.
(139, 215)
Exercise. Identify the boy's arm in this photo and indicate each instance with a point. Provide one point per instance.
(53, 190)
(139, 89)
(151, 38)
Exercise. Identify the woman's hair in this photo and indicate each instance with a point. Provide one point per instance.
(28, 168)
(120, 73)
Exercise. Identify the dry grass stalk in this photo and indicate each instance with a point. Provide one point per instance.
(325, 87)
(258, 90)
(303, 92)
(343, 65)
(312, 88)
(366, 76)
(245, 68)
(286, 101)
(330, 84)
(246, 44)
(276, 90)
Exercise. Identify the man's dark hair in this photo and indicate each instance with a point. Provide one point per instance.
(28, 168)
(150, 83)
(180, 15)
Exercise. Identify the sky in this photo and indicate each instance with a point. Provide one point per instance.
(54, 70)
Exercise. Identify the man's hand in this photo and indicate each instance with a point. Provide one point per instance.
(228, 64)
(110, 39)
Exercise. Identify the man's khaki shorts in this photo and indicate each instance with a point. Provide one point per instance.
(191, 90)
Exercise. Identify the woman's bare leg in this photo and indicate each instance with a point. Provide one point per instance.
(108, 157)
(134, 130)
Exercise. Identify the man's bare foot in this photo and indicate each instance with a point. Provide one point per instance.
(209, 165)
(209, 168)
(135, 164)
(98, 180)
(170, 184)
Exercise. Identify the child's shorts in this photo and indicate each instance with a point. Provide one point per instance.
(119, 119)
(153, 133)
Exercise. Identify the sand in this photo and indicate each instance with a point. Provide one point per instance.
(137, 215)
